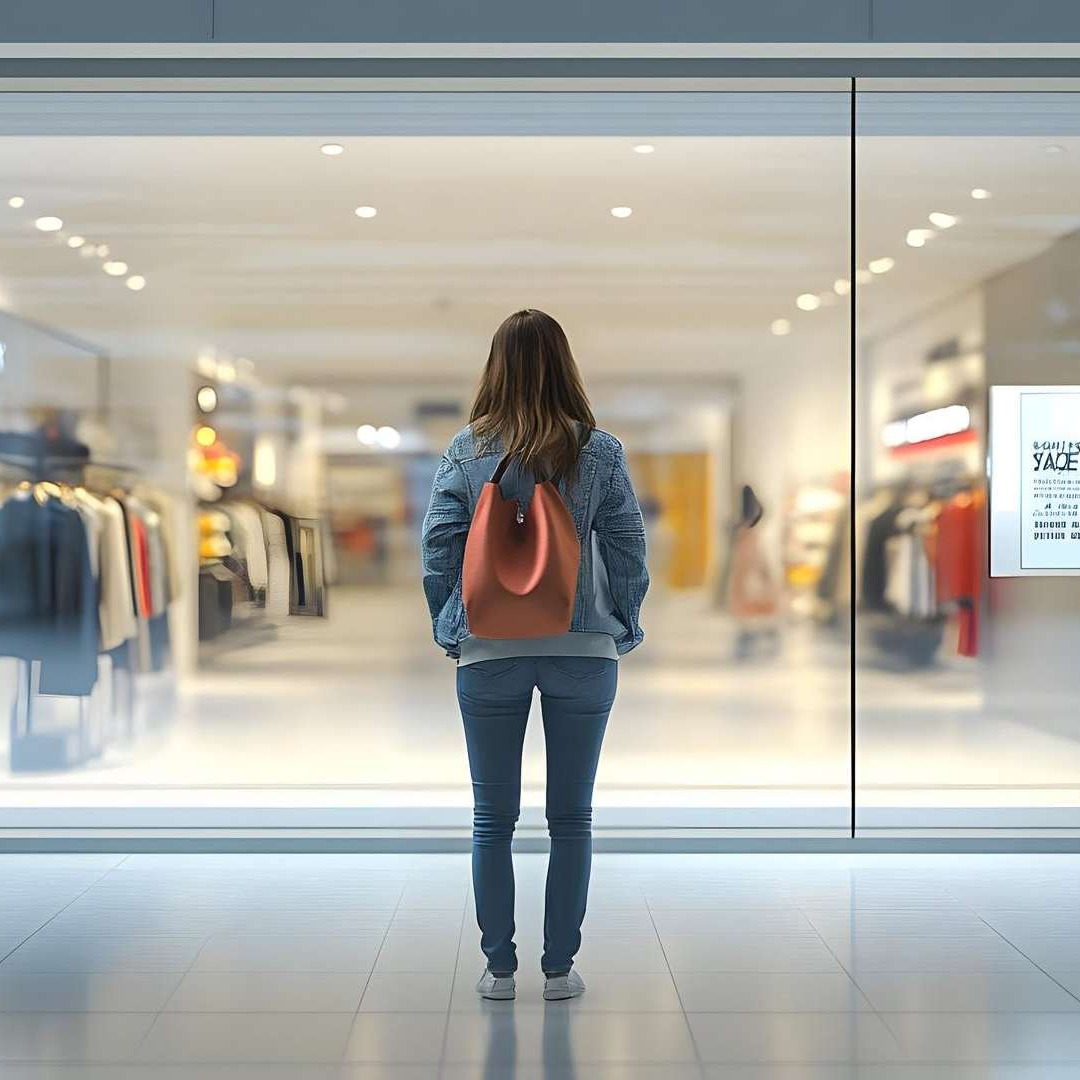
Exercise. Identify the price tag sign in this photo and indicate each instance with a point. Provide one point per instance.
(1034, 463)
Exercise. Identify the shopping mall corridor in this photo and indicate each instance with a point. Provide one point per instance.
(361, 967)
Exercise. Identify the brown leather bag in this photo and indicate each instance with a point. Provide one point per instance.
(520, 572)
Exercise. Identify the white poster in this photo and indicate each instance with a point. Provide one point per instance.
(1034, 480)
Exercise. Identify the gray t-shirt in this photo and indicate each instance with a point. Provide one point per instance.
(572, 643)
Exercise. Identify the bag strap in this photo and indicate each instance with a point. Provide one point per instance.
(497, 475)
(500, 469)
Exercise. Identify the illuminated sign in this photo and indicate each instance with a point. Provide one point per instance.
(936, 426)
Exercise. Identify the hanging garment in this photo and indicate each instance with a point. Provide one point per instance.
(251, 540)
(140, 559)
(875, 567)
(165, 508)
(960, 563)
(48, 592)
(116, 610)
(277, 563)
(159, 583)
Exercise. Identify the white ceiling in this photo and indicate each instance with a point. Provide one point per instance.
(249, 244)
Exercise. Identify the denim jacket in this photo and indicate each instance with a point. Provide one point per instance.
(612, 577)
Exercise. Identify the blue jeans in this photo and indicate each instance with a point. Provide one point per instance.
(576, 694)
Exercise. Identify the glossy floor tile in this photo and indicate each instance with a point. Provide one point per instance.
(699, 967)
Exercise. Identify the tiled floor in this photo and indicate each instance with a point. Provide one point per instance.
(705, 967)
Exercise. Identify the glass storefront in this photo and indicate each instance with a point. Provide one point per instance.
(967, 685)
(238, 334)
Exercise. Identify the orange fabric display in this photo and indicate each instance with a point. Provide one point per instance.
(520, 572)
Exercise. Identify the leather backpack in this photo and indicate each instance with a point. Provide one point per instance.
(521, 566)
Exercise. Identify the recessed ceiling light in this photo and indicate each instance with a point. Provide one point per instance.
(841, 286)
(115, 268)
(365, 211)
(102, 250)
(205, 435)
(367, 434)
(136, 283)
(332, 149)
(621, 211)
(88, 251)
(644, 148)
(780, 327)
(206, 399)
(16, 202)
(808, 302)
(226, 371)
(863, 277)
(49, 224)
(389, 437)
(917, 238)
(76, 241)
(943, 220)
(882, 265)
(980, 193)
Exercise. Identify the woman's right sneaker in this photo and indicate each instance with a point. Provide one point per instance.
(496, 987)
(561, 987)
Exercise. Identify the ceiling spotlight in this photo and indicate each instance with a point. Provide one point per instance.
(102, 251)
(942, 220)
(917, 238)
(206, 399)
(16, 202)
(863, 277)
(621, 211)
(365, 211)
(644, 148)
(115, 268)
(367, 434)
(841, 286)
(780, 327)
(136, 283)
(205, 435)
(76, 241)
(332, 149)
(882, 265)
(980, 193)
(388, 437)
(49, 224)
(808, 302)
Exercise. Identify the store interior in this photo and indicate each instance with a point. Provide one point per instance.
(231, 363)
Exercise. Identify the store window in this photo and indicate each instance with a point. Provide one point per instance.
(276, 312)
(969, 211)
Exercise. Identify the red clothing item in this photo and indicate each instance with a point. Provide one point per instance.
(141, 562)
(960, 563)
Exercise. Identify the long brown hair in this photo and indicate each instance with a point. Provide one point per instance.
(531, 398)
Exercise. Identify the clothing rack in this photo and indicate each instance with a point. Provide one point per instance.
(66, 461)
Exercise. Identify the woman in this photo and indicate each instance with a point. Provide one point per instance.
(531, 407)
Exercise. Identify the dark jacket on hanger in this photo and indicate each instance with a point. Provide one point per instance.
(48, 593)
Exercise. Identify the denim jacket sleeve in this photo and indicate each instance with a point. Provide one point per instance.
(446, 526)
(620, 532)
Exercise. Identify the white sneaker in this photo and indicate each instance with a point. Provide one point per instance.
(561, 987)
(496, 987)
